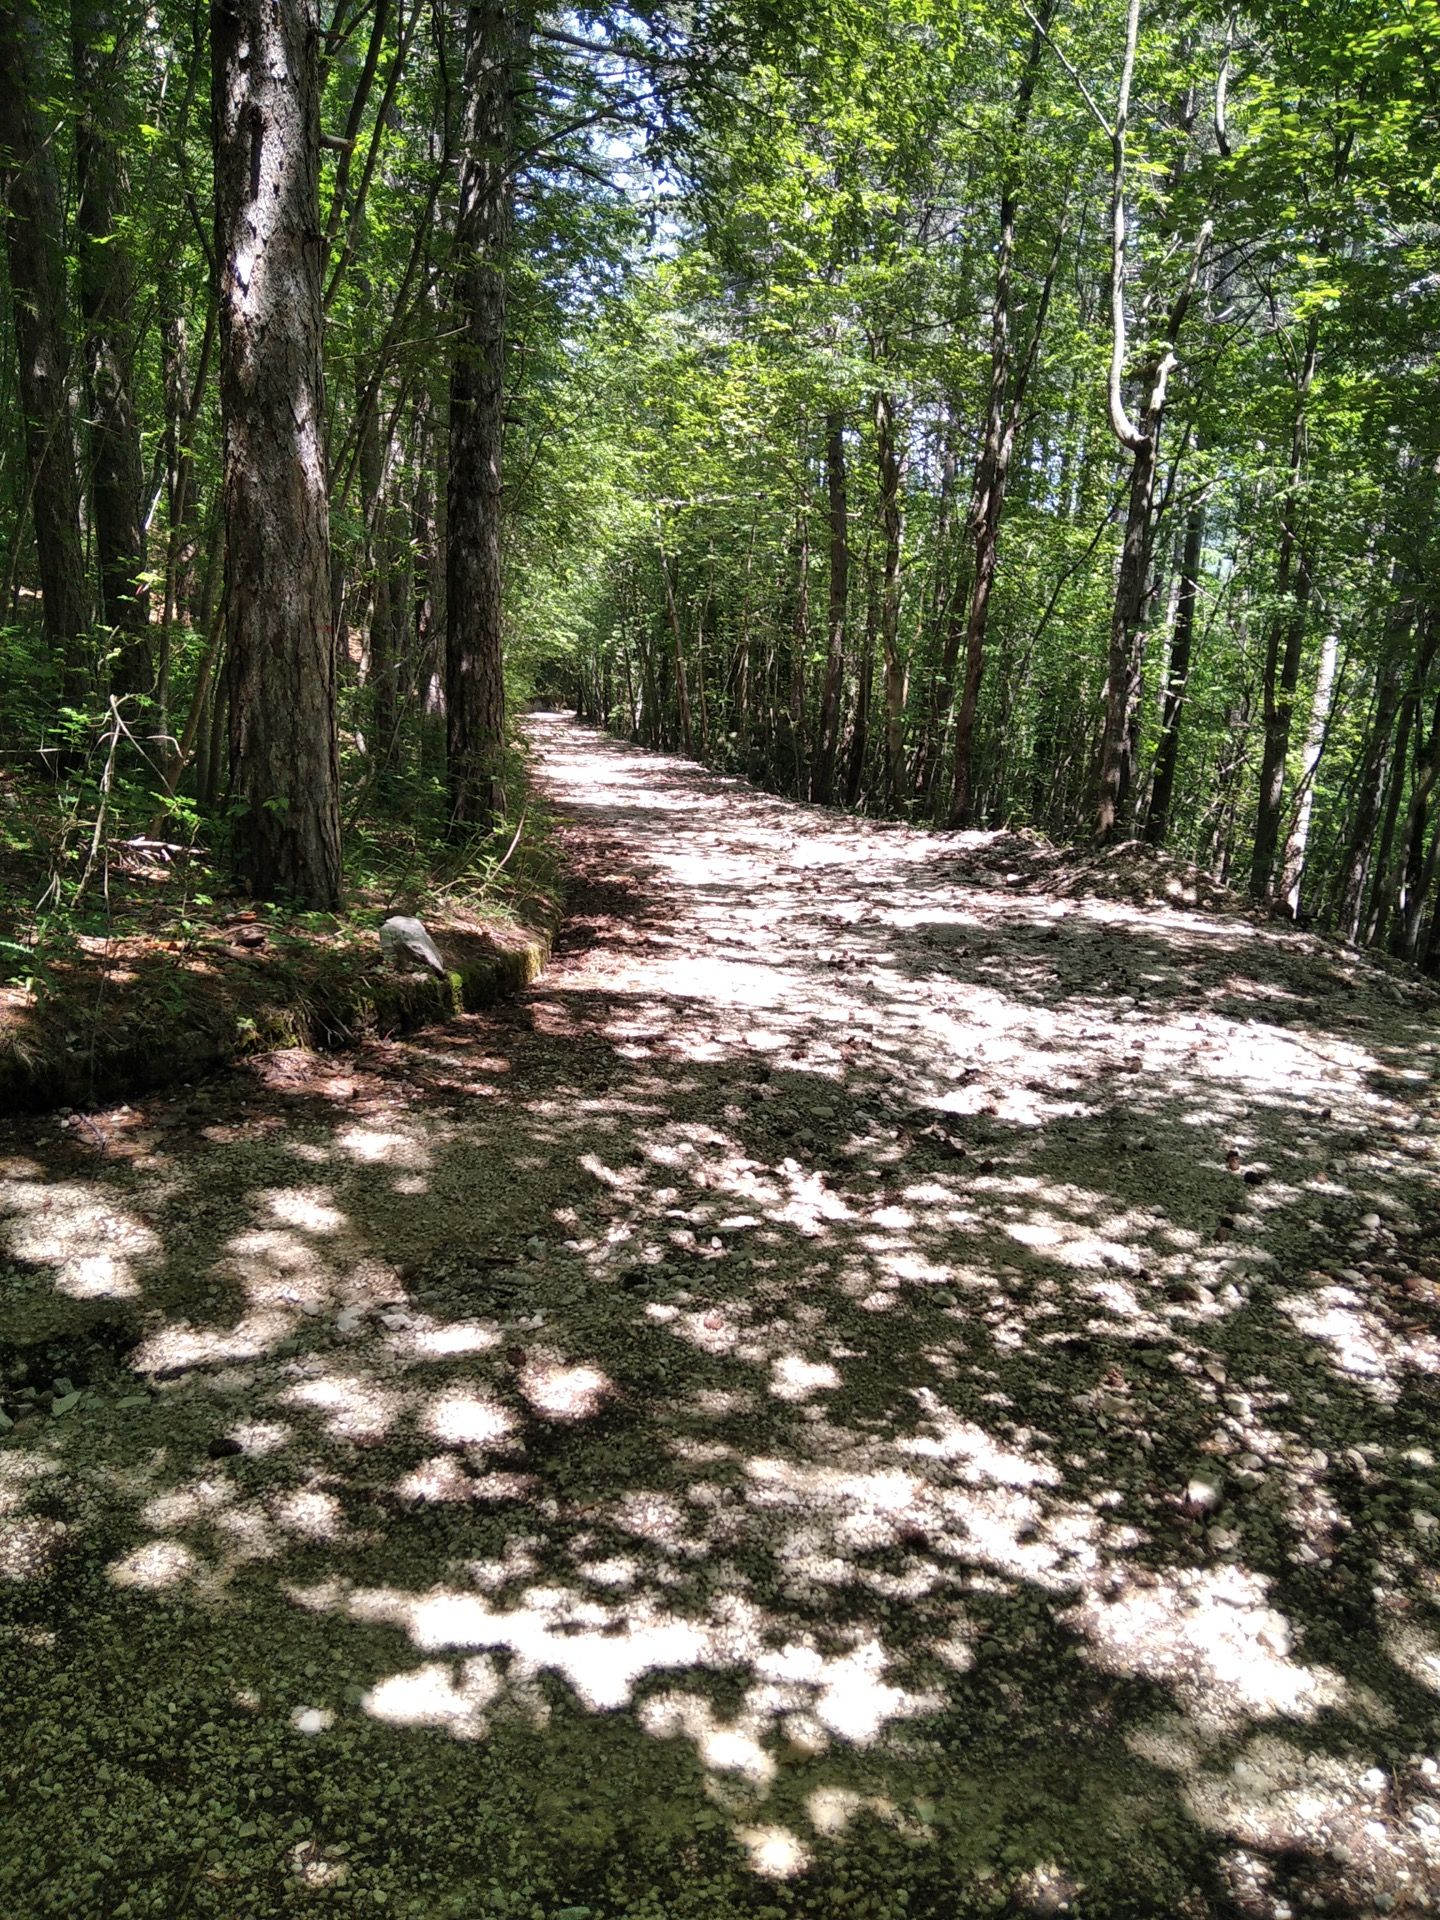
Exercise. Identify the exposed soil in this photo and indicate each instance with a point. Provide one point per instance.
(903, 1378)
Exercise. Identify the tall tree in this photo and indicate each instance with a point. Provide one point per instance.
(281, 660)
(496, 38)
(1004, 399)
(100, 37)
(828, 732)
(1140, 438)
(37, 286)
(1285, 630)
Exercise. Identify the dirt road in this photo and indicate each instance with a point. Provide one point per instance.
(903, 1378)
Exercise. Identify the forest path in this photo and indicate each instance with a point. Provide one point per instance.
(888, 1383)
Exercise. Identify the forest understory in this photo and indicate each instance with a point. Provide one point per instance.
(900, 1379)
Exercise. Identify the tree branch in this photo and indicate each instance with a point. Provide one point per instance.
(1121, 425)
(1085, 94)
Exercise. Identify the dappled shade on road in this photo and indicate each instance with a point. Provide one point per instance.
(894, 1380)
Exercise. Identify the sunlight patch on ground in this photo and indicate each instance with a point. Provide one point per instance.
(373, 1146)
(445, 1341)
(469, 1418)
(18, 1474)
(155, 1564)
(1212, 1636)
(564, 1393)
(723, 1747)
(795, 1379)
(775, 1852)
(1417, 1652)
(1361, 1345)
(178, 1347)
(352, 1408)
(310, 1209)
(600, 1651)
(954, 1438)
(92, 1246)
(453, 1696)
(310, 1514)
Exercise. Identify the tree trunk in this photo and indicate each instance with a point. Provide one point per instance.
(1284, 649)
(281, 654)
(99, 39)
(1177, 679)
(1141, 439)
(940, 619)
(682, 691)
(997, 441)
(864, 693)
(37, 289)
(1298, 842)
(1410, 878)
(799, 781)
(823, 781)
(892, 524)
(495, 45)
(1378, 904)
(183, 396)
(1284, 640)
(377, 574)
(1370, 784)
(1127, 631)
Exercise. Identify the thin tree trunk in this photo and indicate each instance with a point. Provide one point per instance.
(828, 741)
(672, 610)
(1370, 784)
(496, 42)
(1405, 886)
(375, 508)
(280, 649)
(1141, 439)
(799, 646)
(99, 37)
(37, 288)
(997, 441)
(930, 753)
(1298, 842)
(864, 695)
(184, 395)
(1177, 679)
(1378, 905)
(1284, 640)
(892, 523)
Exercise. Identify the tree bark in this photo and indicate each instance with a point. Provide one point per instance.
(378, 576)
(677, 641)
(99, 36)
(1370, 783)
(997, 441)
(1177, 679)
(496, 39)
(864, 695)
(892, 522)
(823, 780)
(1284, 640)
(1141, 439)
(799, 780)
(1377, 905)
(1297, 844)
(37, 287)
(281, 655)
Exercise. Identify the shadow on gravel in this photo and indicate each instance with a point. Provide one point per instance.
(676, 1453)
